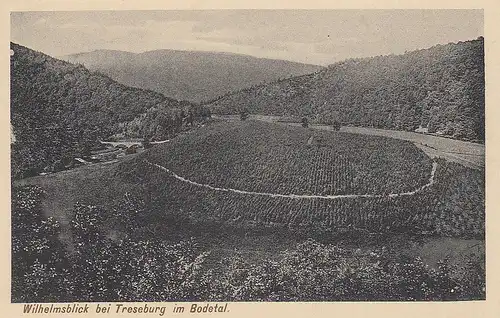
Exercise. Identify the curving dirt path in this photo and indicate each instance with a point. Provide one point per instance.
(300, 196)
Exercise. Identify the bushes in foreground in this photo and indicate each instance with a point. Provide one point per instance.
(39, 262)
(316, 272)
(100, 267)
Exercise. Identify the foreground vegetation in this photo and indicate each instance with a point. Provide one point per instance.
(99, 267)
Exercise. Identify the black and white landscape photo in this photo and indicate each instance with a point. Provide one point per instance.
(247, 155)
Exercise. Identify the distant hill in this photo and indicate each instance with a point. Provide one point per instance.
(440, 89)
(59, 109)
(189, 75)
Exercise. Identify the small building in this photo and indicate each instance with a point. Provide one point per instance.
(131, 150)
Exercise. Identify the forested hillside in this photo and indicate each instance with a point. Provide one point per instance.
(189, 75)
(440, 89)
(60, 110)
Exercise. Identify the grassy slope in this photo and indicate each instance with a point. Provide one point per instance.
(453, 206)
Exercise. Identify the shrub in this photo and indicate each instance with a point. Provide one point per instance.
(39, 261)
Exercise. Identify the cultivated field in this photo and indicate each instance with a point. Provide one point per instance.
(262, 173)
(260, 157)
(267, 174)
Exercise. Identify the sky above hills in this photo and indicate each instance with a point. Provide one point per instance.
(309, 36)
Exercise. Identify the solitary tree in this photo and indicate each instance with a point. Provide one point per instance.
(190, 118)
(336, 125)
(244, 114)
(305, 122)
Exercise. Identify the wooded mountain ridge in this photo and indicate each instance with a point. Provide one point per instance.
(439, 90)
(189, 75)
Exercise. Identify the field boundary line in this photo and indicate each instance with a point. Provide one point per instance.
(301, 196)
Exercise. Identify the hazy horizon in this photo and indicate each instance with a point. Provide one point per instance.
(319, 37)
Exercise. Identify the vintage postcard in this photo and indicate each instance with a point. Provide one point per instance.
(225, 160)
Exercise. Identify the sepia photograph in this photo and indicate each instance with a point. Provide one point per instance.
(269, 155)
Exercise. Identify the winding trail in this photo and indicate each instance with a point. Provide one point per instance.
(301, 196)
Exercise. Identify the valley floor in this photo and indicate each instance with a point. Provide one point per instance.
(91, 184)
